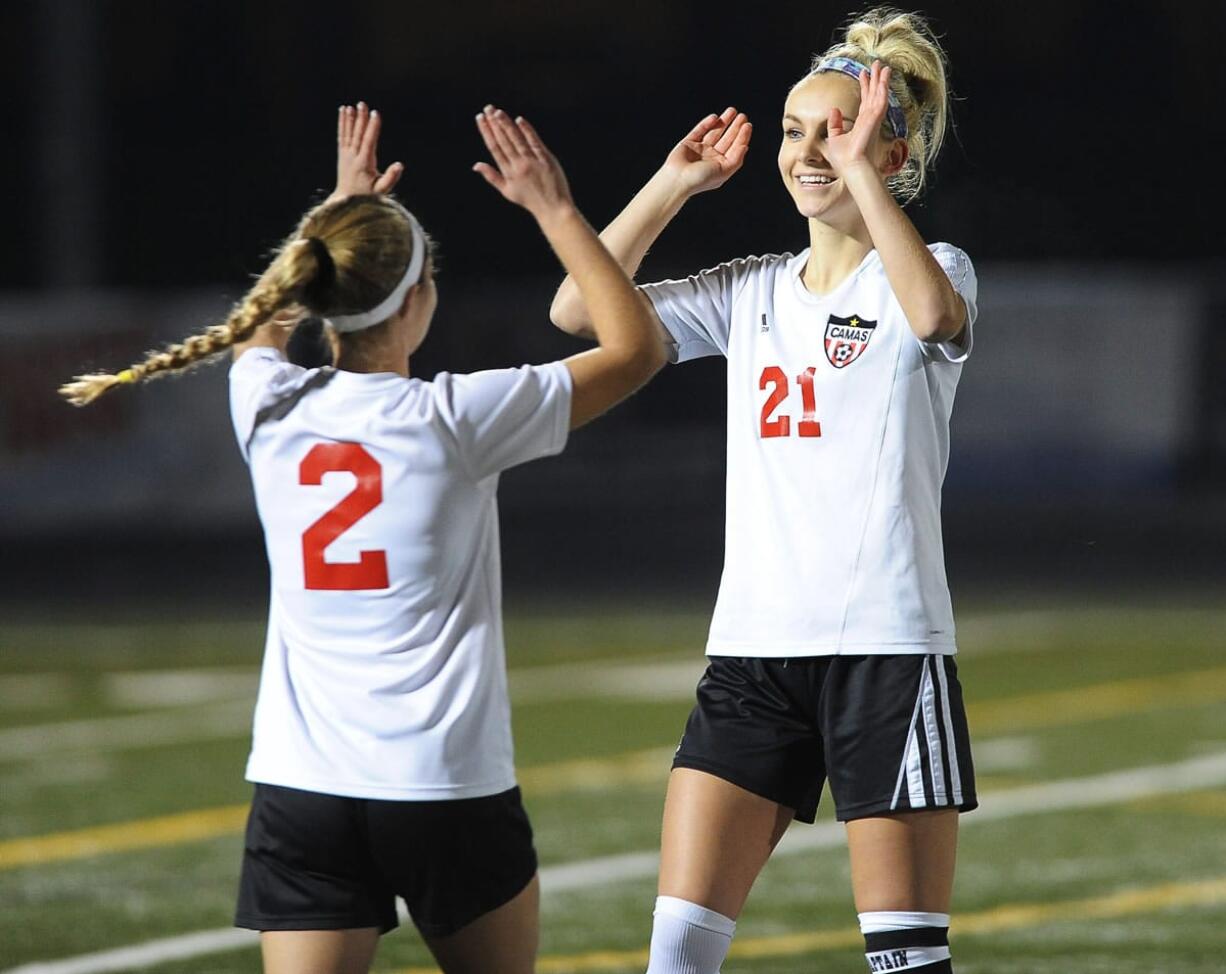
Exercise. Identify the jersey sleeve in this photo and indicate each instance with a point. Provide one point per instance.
(258, 379)
(961, 273)
(697, 311)
(505, 417)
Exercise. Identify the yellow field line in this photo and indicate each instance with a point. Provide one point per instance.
(211, 823)
(1011, 714)
(1098, 701)
(1208, 803)
(207, 823)
(1012, 916)
(597, 774)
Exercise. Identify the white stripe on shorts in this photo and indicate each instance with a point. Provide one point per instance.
(910, 767)
(954, 776)
(932, 734)
(933, 714)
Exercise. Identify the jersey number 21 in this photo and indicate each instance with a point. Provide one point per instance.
(771, 425)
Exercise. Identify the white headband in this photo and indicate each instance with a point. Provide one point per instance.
(389, 305)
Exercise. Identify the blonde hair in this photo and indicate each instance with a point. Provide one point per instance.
(908, 46)
(344, 257)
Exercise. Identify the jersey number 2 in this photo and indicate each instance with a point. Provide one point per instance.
(370, 571)
(772, 375)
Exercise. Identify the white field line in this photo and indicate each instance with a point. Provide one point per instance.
(1115, 787)
(182, 947)
(668, 679)
(198, 721)
(182, 726)
(215, 704)
(159, 689)
(994, 755)
(1093, 791)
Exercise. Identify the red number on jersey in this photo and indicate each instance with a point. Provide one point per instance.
(772, 374)
(782, 425)
(808, 425)
(371, 570)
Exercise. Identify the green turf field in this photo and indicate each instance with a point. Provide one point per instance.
(1100, 736)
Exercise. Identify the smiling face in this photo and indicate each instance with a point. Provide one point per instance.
(806, 172)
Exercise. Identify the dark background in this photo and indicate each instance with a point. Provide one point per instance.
(161, 146)
(1082, 129)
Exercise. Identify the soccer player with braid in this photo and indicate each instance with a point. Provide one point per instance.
(832, 644)
(382, 753)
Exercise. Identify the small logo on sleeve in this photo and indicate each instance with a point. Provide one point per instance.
(846, 339)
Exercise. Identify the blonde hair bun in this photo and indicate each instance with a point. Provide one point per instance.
(907, 44)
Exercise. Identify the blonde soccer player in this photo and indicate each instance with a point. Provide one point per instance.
(832, 643)
(382, 753)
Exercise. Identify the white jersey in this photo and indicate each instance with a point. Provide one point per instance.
(384, 672)
(838, 439)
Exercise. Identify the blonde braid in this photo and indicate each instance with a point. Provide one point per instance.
(290, 272)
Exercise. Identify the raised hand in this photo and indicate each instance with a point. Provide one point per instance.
(524, 170)
(357, 143)
(713, 150)
(850, 143)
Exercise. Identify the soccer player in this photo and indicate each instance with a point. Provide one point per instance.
(832, 643)
(382, 753)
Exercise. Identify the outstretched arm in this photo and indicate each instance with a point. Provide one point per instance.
(705, 159)
(357, 145)
(935, 311)
(357, 173)
(629, 353)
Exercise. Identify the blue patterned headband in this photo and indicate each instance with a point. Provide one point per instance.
(852, 68)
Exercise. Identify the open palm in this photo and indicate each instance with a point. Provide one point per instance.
(713, 150)
(524, 170)
(357, 145)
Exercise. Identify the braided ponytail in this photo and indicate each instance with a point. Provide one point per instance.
(344, 257)
(293, 270)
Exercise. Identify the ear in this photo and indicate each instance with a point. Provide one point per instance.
(896, 157)
(408, 299)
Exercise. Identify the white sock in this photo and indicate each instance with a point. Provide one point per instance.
(883, 921)
(687, 938)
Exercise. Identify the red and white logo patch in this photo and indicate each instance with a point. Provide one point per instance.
(846, 339)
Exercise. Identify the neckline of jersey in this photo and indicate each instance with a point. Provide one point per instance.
(365, 381)
(796, 267)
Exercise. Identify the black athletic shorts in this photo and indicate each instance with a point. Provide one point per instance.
(888, 731)
(323, 862)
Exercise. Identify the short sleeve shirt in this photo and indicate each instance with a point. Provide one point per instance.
(838, 442)
(384, 672)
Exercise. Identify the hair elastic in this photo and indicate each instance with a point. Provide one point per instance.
(323, 257)
(388, 306)
(852, 68)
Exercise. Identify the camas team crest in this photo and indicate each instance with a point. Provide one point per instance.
(846, 339)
